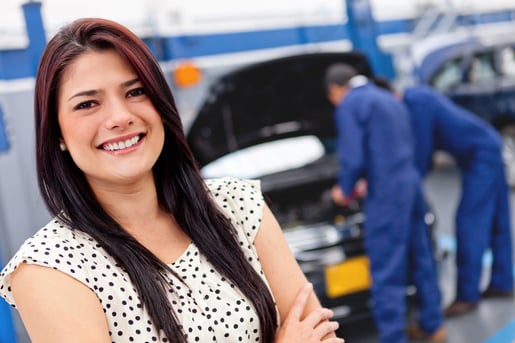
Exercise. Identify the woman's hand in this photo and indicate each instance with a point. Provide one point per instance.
(315, 327)
(302, 318)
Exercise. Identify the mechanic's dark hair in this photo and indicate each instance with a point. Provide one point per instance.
(181, 191)
(340, 74)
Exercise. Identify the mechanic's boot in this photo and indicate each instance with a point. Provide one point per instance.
(415, 333)
(496, 293)
(458, 308)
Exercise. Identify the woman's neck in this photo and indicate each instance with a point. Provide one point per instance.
(130, 205)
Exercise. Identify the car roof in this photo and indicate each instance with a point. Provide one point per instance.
(435, 55)
(434, 60)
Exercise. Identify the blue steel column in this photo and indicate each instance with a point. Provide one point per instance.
(35, 31)
(4, 141)
(363, 33)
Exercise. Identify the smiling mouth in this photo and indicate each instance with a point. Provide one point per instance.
(122, 144)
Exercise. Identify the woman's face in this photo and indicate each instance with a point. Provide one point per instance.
(108, 123)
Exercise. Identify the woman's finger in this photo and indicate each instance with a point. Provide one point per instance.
(318, 316)
(325, 328)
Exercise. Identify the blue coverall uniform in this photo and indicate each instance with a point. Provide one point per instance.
(375, 142)
(483, 217)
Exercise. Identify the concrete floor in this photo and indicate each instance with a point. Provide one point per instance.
(494, 321)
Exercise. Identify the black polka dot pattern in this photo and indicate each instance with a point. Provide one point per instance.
(208, 306)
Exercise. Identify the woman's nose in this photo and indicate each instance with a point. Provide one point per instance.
(119, 115)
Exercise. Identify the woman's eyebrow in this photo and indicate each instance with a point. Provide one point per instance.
(94, 91)
(130, 82)
(84, 93)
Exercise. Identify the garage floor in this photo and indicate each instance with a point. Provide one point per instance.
(494, 321)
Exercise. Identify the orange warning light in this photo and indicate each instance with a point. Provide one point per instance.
(186, 74)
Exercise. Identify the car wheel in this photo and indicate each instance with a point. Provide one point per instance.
(508, 139)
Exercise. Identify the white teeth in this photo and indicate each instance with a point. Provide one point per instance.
(121, 145)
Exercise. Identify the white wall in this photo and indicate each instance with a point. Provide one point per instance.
(22, 211)
(201, 16)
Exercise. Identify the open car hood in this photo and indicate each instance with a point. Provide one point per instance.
(262, 102)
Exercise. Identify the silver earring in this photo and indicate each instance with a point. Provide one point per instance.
(62, 146)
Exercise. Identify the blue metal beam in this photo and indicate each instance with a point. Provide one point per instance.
(4, 142)
(363, 31)
(35, 31)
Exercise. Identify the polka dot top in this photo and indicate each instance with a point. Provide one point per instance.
(207, 305)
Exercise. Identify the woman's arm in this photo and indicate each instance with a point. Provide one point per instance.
(300, 311)
(55, 308)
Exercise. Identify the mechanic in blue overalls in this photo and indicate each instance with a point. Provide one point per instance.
(482, 217)
(375, 143)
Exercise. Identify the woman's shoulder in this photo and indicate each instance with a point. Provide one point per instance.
(56, 237)
(56, 246)
(241, 200)
(233, 185)
(235, 194)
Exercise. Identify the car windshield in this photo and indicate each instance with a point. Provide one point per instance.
(482, 68)
(267, 158)
(508, 61)
(449, 75)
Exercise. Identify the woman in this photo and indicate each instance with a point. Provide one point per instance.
(141, 248)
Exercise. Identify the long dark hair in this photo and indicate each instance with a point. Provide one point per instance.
(181, 189)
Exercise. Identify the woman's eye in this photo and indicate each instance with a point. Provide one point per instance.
(136, 92)
(84, 105)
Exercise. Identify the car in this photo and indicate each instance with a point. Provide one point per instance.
(479, 75)
(272, 121)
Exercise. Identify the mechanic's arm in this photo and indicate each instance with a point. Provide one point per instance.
(55, 308)
(302, 317)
